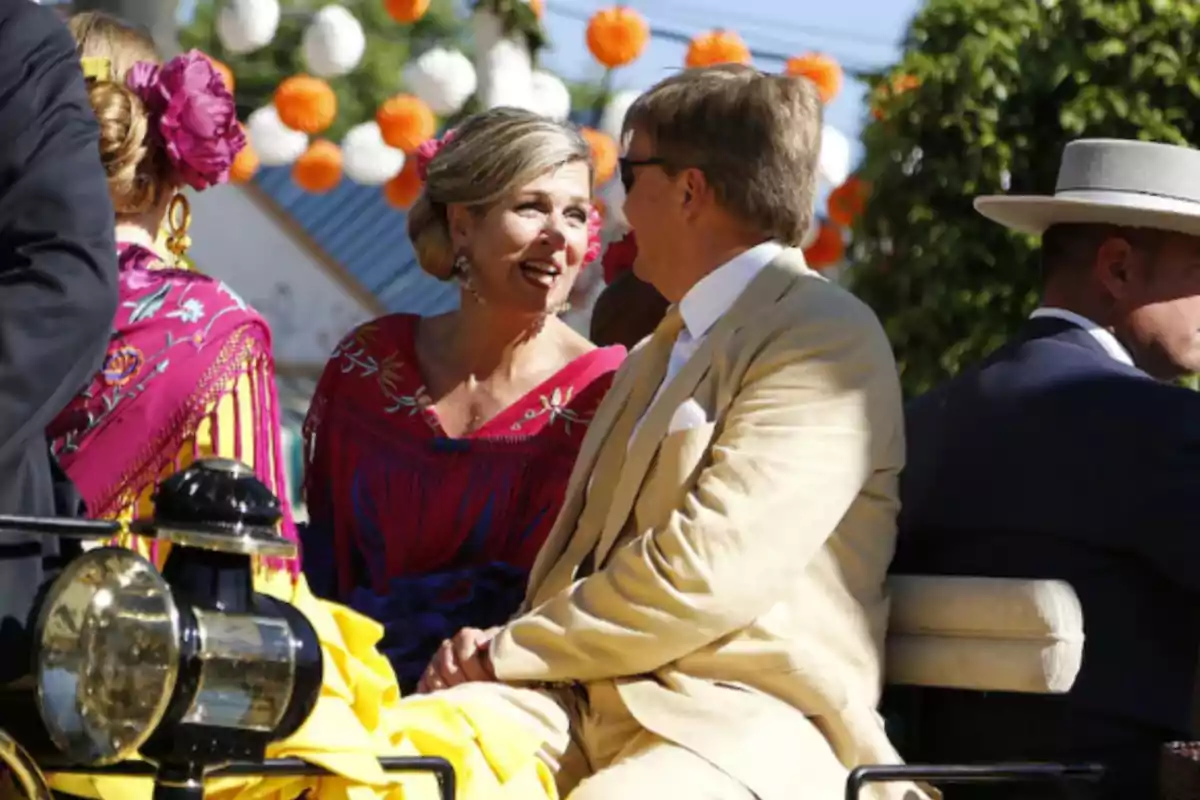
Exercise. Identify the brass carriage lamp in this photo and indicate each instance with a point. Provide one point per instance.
(189, 668)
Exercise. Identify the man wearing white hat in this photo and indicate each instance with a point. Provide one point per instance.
(1067, 454)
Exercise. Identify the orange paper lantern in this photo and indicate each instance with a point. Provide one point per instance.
(617, 36)
(828, 248)
(406, 12)
(319, 169)
(404, 189)
(822, 70)
(846, 202)
(245, 165)
(604, 155)
(717, 47)
(306, 104)
(223, 70)
(896, 87)
(406, 122)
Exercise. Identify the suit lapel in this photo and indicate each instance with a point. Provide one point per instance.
(575, 497)
(767, 287)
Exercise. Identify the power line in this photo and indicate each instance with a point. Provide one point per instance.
(684, 37)
(692, 11)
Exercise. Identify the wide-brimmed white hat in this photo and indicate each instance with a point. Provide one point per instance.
(1111, 181)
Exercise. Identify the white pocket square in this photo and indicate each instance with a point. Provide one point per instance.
(689, 415)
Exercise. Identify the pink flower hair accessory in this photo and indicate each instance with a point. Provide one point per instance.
(595, 226)
(427, 150)
(194, 115)
(619, 257)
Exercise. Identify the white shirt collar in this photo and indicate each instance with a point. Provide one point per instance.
(716, 292)
(1102, 335)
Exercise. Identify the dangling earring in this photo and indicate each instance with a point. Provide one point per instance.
(461, 272)
(179, 219)
(564, 308)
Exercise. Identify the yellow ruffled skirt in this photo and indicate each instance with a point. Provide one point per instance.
(360, 716)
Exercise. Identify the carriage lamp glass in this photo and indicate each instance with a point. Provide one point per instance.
(188, 667)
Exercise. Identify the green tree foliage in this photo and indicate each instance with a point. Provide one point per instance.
(1003, 85)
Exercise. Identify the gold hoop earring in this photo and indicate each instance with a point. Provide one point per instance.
(179, 219)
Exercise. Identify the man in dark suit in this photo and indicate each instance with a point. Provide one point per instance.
(58, 284)
(1068, 455)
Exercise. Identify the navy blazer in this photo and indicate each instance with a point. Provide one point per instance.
(58, 283)
(1054, 460)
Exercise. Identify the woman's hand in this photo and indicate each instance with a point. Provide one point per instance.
(463, 659)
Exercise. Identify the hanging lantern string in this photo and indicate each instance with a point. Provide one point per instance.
(672, 35)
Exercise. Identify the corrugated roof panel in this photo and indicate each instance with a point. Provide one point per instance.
(356, 227)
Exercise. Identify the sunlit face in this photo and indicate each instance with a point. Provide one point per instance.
(1158, 307)
(654, 207)
(526, 250)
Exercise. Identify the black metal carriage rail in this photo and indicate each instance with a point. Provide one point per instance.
(440, 768)
(973, 773)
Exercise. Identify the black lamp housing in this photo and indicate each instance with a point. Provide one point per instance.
(189, 669)
(217, 514)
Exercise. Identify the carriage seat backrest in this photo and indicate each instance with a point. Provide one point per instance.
(984, 634)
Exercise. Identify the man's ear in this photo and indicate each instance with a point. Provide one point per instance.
(695, 188)
(1114, 265)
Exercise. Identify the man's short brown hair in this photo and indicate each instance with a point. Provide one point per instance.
(756, 137)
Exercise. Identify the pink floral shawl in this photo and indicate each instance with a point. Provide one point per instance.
(180, 341)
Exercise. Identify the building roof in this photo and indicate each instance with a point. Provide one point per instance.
(366, 237)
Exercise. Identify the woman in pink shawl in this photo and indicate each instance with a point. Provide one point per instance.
(189, 374)
(189, 371)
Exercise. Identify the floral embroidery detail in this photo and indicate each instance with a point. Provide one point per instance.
(127, 370)
(355, 359)
(385, 372)
(146, 307)
(419, 401)
(190, 310)
(122, 365)
(556, 406)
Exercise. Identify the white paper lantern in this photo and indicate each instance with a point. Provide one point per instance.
(613, 195)
(444, 79)
(334, 42)
(275, 143)
(613, 118)
(551, 98)
(503, 64)
(366, 158)
(244, 26)
(833, 164)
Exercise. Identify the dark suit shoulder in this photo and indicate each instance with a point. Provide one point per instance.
(28, 28)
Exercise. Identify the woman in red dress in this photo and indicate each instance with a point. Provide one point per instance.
(438, 449)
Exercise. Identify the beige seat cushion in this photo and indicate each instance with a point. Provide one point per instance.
(985, 634)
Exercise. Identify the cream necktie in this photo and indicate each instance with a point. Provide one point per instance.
(651, 371)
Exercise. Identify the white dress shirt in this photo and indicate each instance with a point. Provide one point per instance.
(707, 302)
(1102, 335)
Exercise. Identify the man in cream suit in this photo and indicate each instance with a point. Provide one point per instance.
(706, 619)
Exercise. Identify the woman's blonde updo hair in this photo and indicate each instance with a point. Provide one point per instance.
(490, 155)
(138, 169)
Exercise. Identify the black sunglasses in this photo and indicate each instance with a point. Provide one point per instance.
(629, 165)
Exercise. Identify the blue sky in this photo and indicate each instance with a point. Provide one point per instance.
(859, 33)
